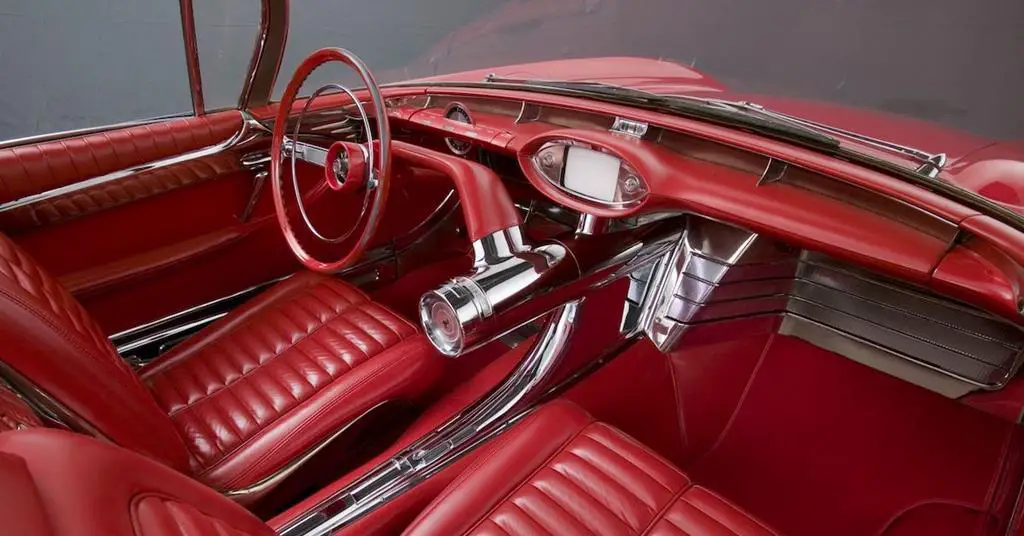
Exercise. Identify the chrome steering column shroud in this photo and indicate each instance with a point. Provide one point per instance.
(575, 297)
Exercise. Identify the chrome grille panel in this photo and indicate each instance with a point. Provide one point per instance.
(719, 273)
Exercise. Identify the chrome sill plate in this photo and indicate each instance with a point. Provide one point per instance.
(720, 273)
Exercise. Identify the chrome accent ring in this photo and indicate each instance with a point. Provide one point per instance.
(370, 160)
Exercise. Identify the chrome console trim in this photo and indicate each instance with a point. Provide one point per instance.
(719, 273)
(597, 262)
(250, 130)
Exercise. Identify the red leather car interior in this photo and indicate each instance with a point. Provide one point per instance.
(558, 471)
(486, 204)
(241, 398)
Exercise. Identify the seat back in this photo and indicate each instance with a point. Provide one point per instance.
(49, 340)
(58, 483)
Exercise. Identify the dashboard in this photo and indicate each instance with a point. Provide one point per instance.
(854, 240)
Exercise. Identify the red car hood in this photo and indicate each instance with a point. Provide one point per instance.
(968, 154)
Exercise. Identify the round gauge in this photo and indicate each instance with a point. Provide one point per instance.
(458, 112)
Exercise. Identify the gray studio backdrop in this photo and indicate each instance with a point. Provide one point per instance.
(69, 64)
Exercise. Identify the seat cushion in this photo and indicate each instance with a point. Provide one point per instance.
(282, 373)
(559, 472)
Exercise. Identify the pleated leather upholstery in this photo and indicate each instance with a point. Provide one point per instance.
(34, 168)
(313, 347)
(558, 472)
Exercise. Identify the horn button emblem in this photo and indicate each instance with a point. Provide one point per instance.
(347, 169)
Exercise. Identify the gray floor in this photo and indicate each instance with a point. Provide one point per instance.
(957, 62)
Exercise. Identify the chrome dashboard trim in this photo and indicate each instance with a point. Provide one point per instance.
(250, 130)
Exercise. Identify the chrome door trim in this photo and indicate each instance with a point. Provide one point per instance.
(250, 130)
(268, 52)
(51, 136)
(195, 75)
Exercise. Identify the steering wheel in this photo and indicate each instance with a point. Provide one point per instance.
(351, 168)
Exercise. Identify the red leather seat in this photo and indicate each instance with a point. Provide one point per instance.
(560, 472)
(236, 402)
(557, 472)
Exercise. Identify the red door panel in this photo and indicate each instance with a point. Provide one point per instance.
(136, 242)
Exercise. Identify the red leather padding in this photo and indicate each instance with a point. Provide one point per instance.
(283, 372)
(47, 337)
(559, 472)
(58, 483)
(486, 205)
(32, 169)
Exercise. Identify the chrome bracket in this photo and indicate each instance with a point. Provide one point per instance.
(629, 127)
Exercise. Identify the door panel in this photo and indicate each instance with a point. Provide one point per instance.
(146, 221)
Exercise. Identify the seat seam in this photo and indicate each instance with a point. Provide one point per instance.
(629, 440)
(557, 505)
(287, 299)
(660, 514)
(260, 365)
(327, 407)
(574, 484)
(728, 503)
(611, 478)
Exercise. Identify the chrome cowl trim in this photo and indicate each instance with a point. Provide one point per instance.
(721, 273)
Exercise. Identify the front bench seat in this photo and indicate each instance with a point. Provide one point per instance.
(560, 472)
(232, 405)
(556, 472)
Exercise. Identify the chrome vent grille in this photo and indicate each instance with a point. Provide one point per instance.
(719, 273)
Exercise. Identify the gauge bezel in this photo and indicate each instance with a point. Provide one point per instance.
(456, 146)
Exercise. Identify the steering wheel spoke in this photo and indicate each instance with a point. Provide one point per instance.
(307, 152)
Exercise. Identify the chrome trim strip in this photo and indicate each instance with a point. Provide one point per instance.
(275, 478)
(195, 75)
(250, 129)
(170, 332)
(45, 406)
(51, 136)
(438, 449)
(170, 318)
(268, 52)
